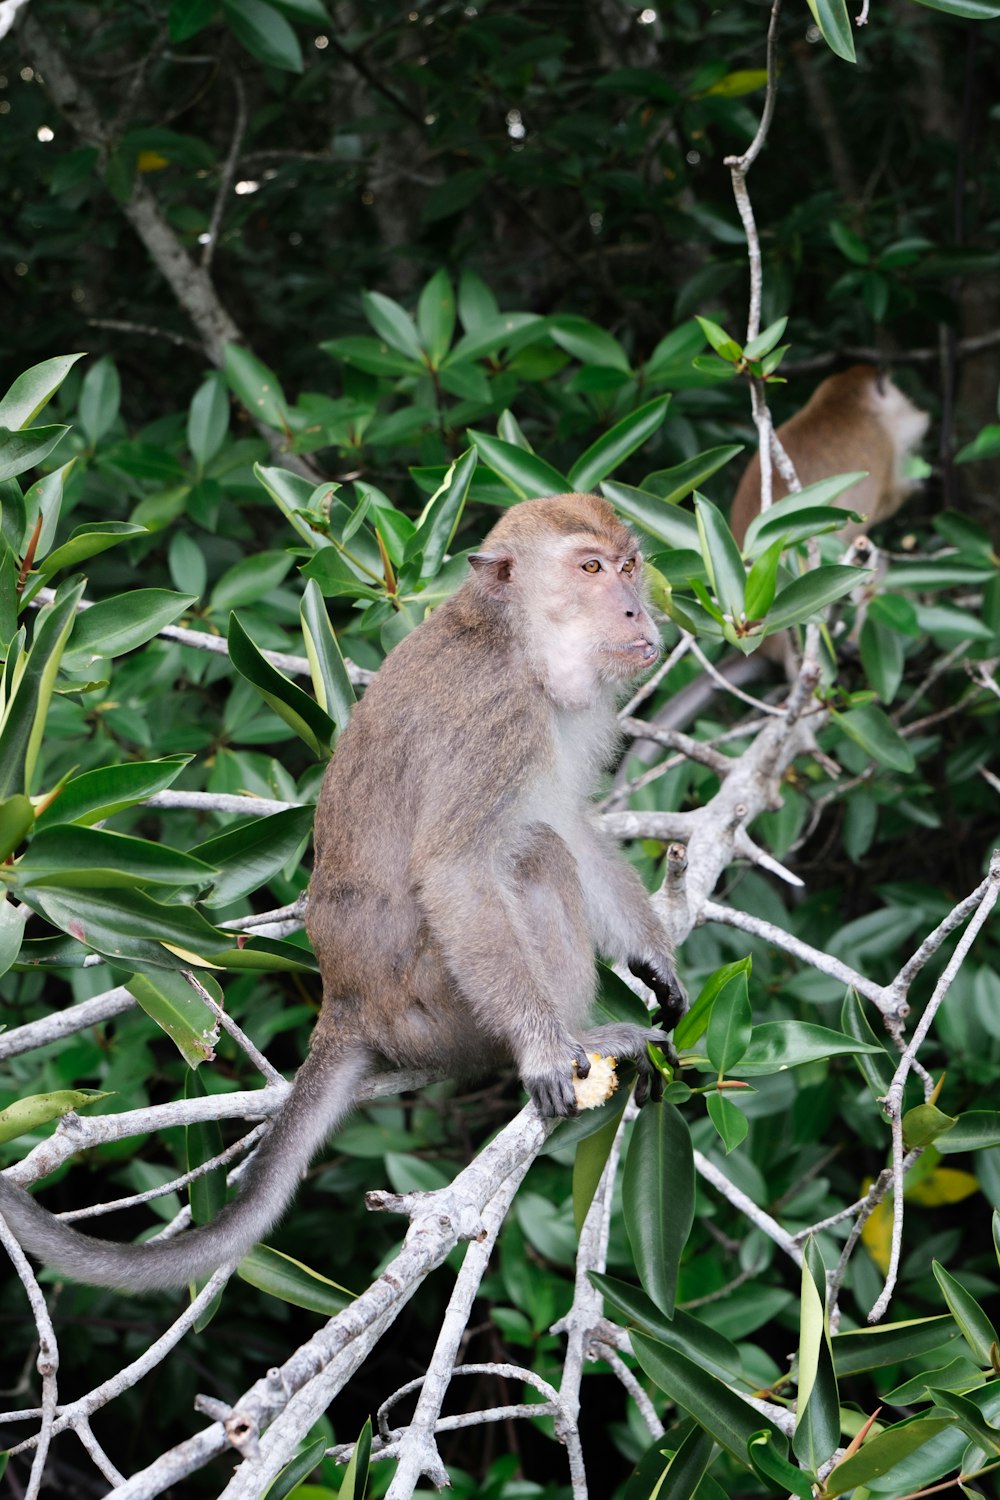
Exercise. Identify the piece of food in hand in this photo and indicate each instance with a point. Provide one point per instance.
(599, 1084)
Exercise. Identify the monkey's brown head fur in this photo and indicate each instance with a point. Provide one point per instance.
(570, 573)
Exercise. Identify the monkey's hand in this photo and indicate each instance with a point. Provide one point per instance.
(658, 972)
(552, 1093)
(625, 1039)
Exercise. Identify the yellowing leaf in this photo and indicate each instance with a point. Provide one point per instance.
(943, 1185)
(741, 81)
(150, 161)
(194, 959)
(877, 1234)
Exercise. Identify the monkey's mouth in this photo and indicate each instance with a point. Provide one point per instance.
(641, 652)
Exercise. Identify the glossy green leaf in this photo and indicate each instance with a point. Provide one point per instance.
(96, 795)
(971, 1420)
(870, 728)
(251, 380)
(100, 400)
(977, 1330)
(289, 1280)
(658, 1199)
(208, 419)
(730, 1024)
(249, 856)
(728, 1119)
(713, 1405)
(587, 342)
(610, 450)
(331, 684)
(33, 390)
(188, 17)
(683, 1332)
(69, 855)
(123, 622)
(129, 927)
(834, 21)
(491, 335)
(694, 1022)
(17, 814)
(372, 356)
(925, 1124)
(762, 582)
(769, 1461)
(817, 1422)
(12, 920)
(764, 342)
(662, 1475)
(814, 591)
(526, 474)
(724, 345)
(974, 1130)
(439, 518)
(269, 955)
(664, 521)
(20, 451)
(23, 721)
(436, 316)
(877, 1071)
(393, 324)
(882, 658)
(265, 33)
(30, 1114)
(203, 1141)
(883, 1452)
(674, 484)
(776, 1045)
(172, 1001)
(969, 10)
(86, 541)
(290, 703)
(591, 1158)
(722, 558)
(789, 531)
(355, 1479)
(250, 580)
(289, 1481)
(819, 495)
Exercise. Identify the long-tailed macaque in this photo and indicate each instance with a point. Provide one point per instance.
(461, 886)
(855, 420)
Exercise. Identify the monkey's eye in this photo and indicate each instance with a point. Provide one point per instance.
(628, 566)
(591, 565)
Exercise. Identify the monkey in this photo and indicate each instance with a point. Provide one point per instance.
(855, 420)
(461, 886)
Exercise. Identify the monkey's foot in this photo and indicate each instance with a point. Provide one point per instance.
(658, 972)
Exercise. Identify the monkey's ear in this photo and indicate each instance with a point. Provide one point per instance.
(494, 570)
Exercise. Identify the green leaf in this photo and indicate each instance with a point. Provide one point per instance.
(87, 541)
(762, 582)
(971, 1420)
(290, 703)
(249, 580)
(493, 334)
(68, 855)
(436, 317)
(834, 22)
(673, 485)
(712, 1405)
(724, 345)
(96, 795)
(768, 1459)
(12, 920)
(251, 380)
(869, 727)
(587, 342)
(130, 928)
(777, 1045)
(592, 1157)
(658, 1199)
(290, 1281)
(817, 1423)
(188, 17)
(969, 10)
(977, 1330)
(527, 475)
(394, 326)
(814, 591)
(355, 1480)
(372, 356)
(265, 33)
(765, 342)
(615, 446)
(289, 1481)
(171, 1000)
(37, 1110)
(851, 246)
(730, 1024)
(684, 1333)
(203, 1141)
(33, 390)
(882, 658)
(877, 1071)
(873, 1348)
(20, 451)
(122, 623)
(883, 1452)
(975, 1130)
(694, 1023)
(23, 721)
(247, 857)
(728, 1119)
(657, 517)
(924, 1125)
(819, 495)
(722, 558)
(208, 419)
(17, 814)
(440, 516)
(816, 520)
(100, 400)
(333, 688)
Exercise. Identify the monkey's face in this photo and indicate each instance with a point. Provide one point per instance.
(604, 605)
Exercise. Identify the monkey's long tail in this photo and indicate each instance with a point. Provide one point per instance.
(324, 1091)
